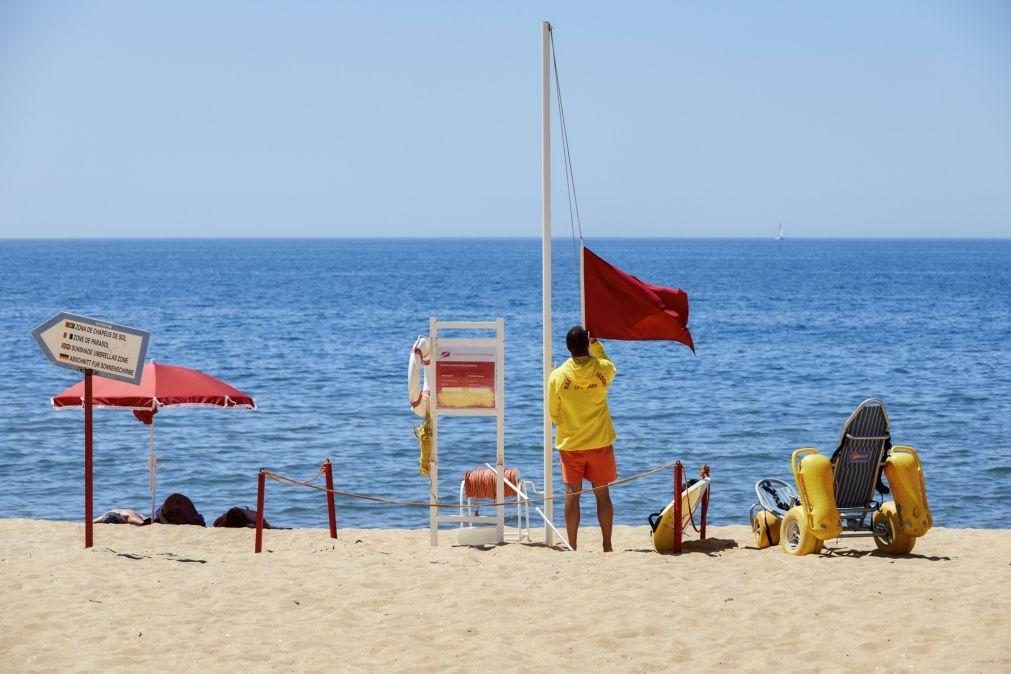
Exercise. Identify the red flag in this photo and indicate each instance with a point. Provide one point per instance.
(620, 306)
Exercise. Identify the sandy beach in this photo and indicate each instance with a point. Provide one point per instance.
(184, 598)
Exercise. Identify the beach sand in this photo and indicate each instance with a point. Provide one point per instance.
(191, 599)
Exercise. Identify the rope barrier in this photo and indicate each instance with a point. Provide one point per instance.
(481, 484)
(703, 474)
(292, 482)
(322, 469)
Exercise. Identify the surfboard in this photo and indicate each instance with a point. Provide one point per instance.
(691, 500)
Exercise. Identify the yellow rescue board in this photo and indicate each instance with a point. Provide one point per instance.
(691, 500)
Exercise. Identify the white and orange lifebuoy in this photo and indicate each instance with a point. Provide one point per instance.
(417, 385)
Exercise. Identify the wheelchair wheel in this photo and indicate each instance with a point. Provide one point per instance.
(887, 536)
(794, 536)
(765, 528)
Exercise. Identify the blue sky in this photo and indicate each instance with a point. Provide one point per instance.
(247, 118)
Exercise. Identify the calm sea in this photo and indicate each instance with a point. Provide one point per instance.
(791, 336)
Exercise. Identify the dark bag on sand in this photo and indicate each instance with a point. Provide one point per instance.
(239, 518)
(178, 509)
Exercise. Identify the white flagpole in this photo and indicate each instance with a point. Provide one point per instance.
(582, 283)
(546, 264)
(152, 462)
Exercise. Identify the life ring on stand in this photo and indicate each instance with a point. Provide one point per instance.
(419, 366)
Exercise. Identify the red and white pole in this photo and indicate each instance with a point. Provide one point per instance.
(260, 488)
(330, 507)
(705, 502)
(88, 491)
(679, 480)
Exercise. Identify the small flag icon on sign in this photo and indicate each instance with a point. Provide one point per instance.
(64, 356)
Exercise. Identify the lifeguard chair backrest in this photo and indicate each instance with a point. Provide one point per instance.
(863, 447)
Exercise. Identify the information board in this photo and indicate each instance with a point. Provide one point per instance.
(465, 378)
(80, 343)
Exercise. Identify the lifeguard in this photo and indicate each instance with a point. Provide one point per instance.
(577, 403)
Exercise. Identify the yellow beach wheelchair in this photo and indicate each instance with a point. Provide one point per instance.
(836, 497)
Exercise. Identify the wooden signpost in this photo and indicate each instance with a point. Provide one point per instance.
(92, 347)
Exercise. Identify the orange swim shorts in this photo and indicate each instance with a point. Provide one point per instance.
(596, 465)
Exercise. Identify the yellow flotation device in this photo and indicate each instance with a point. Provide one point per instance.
(424, 435)
(905, 478)
(813, 474)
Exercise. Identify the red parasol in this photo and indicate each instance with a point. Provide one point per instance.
(160, 386)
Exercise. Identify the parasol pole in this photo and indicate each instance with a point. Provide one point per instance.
(546, 265)
(152, 465)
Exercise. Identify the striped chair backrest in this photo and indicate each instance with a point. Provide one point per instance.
(865, 439)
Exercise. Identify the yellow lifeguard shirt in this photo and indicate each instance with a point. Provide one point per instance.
(577, 401)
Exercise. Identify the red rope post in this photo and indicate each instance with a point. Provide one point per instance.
(679, 479)
(330, 507)
(705, 502)
(88, 489)
(260, 488)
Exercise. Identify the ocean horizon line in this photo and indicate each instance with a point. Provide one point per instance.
(27, 239)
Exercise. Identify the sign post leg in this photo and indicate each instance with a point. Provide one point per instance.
(88, 513)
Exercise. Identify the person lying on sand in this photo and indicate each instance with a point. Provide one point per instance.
(178, 509)
(122, 516)
(577, 403)
(239, 518)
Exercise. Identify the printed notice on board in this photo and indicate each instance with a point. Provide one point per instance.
(81, 343)
(465, 379)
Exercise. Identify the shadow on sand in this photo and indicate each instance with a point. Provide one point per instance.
(169, 555)
(711, 547)
(841, 553)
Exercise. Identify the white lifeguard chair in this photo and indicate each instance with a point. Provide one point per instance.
(467, 380)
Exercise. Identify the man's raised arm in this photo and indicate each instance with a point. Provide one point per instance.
(607, 368)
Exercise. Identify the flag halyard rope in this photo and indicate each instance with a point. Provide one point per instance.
(575, 221)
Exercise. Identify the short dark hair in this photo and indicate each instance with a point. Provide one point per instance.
(578, 340)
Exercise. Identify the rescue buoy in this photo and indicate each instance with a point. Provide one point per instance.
(418, 375)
